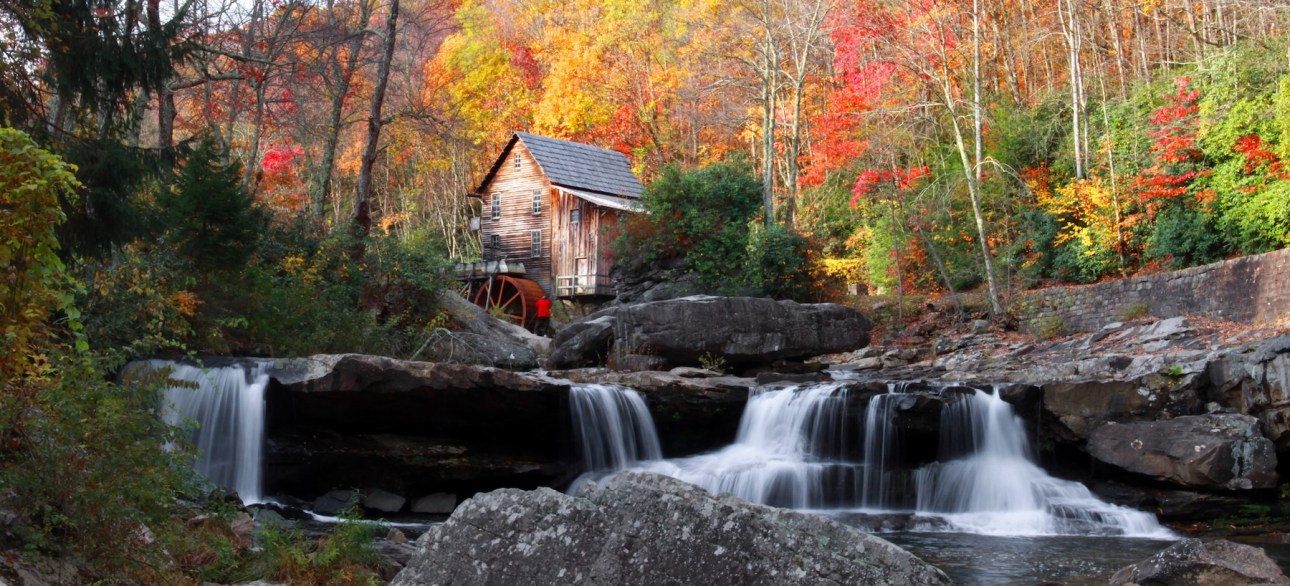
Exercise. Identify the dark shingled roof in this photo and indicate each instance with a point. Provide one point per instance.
(582, 166)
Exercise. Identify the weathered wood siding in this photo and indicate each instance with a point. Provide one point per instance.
(517, 221)
(583, 240)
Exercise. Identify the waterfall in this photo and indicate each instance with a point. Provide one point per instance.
(796, 447)
(881, 447)
(226, 406)
(613, 428)
(986, 481)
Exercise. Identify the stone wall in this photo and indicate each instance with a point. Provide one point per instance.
(1250, 289)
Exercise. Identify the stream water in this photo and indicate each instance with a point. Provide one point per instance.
(794, 449)
(998, 517)
(982, 511)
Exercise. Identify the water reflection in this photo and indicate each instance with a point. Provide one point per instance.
(982, 559)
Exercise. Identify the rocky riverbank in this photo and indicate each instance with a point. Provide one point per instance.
(1184, 416)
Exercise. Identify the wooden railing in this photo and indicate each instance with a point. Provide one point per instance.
(575, 285)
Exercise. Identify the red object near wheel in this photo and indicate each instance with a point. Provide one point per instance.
(513, 298)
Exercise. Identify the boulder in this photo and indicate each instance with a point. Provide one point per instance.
(1192, 562)
(741, 331)
(439, 503)
(649, 529)
(1208, 452)
(335, 502)
(1081, 406)
(585, 342)
(382, 501)
(1255, 379)
(481, 339)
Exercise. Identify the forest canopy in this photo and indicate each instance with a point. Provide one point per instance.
(939, 144)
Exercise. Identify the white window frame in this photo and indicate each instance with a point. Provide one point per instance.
(495, 242)
(497, 206)
(537, 202)
(535, 243)
(518, 160)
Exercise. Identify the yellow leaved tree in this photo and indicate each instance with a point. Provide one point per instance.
(32, 282)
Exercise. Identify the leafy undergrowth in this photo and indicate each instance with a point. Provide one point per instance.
(206, 549)
(345, 557)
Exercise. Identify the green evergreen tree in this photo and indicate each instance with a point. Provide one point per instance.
(210, 217)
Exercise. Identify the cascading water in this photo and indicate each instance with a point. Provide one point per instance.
(226, 404)
(613, 427)
(995, 488)
(795, 448)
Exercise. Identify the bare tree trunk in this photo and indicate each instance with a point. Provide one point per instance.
(1113, 27)
(978, 120)
(1070, 30)
(974, 193)
(1115, 186)
(769, 98)
(804, 36)
(363, 196)
(343, 73)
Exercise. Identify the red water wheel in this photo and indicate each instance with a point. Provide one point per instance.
(514, 298)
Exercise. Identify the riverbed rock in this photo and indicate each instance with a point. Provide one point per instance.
(383, 501)
(440, 503)
(335, 502)
(1080, 406)
(1193, 562)
(1209, 452)
(741, 331)
(1255, 379)
(481, 339)
(649, 529)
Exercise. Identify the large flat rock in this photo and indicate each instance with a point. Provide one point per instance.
(1210, 452)
(1192, 562)
(740, 331)
(650, 529)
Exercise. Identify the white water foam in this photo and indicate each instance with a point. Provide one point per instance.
(794, 450)
(614, 430)
(996, 489)
(790, 451)
(226, 404)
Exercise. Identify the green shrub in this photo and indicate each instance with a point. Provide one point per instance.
(1134, 311)
(700, 215)
(1184, 236)
(141, 301)
(1048, 327)
(83, 464)
(784, 264)
(344, 557)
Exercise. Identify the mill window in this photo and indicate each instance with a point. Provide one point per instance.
(497, 206)
(575, 217)
(517, 160)
(537, 243)
(495, 242)
(537, 201)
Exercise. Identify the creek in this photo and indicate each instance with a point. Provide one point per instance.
(974, 503)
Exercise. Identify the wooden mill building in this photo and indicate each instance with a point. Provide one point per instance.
(544, 204)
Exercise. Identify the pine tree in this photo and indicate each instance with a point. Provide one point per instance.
(210, 217)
